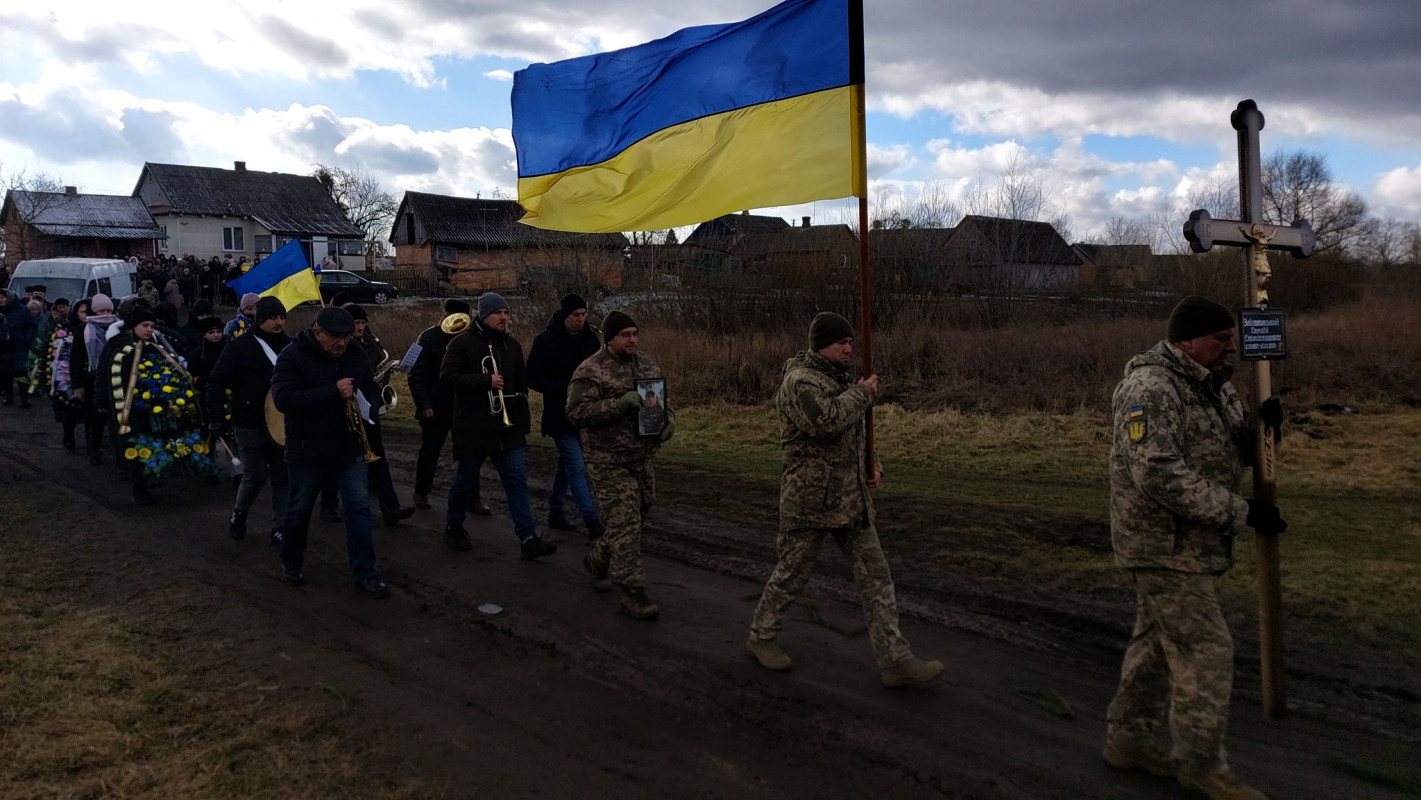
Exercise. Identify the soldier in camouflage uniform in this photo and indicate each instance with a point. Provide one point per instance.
(603, 402)
(1180, 447)
(824, 493)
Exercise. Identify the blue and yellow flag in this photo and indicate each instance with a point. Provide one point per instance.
(284, 275)
(707, 121)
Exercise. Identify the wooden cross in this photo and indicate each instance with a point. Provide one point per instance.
(1257, 238)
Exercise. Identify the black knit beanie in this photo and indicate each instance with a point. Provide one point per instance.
(614, 323)
(269, 307)
(456, 306)
(357, 312)
(828, 328)
(1197, 316)
(570, 303)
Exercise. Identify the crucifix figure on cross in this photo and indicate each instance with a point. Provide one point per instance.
(1258, 237)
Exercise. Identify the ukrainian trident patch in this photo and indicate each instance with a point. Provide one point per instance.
(1135, 423)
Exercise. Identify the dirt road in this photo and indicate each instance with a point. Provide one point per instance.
(560, 696)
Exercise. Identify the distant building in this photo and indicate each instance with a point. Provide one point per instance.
(70, 224)
(206, 211)
(766, 252)
(469, 245)
(1115, 266)
(999, 255)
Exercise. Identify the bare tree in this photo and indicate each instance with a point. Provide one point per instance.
(364, 201)
(1385, 242)
(1299, 185)
(42, 192)
(1122, 230)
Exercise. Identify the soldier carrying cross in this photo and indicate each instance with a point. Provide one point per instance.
(1181, 442)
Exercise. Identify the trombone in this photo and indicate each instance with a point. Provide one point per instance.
(497, 403)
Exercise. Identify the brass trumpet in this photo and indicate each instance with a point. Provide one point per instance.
(496, 402)
(352, 416)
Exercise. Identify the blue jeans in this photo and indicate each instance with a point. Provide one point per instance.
(572, 476)
(512, 473)
(304, 483)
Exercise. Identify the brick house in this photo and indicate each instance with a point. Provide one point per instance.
(470, 245)
(70, 224)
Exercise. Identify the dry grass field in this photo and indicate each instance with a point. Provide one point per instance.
(1014, 422)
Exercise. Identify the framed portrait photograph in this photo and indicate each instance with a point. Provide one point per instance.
(651, 420)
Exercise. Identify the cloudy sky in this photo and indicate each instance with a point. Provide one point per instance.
(1119, 109)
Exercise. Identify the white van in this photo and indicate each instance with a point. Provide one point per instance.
(75, 278)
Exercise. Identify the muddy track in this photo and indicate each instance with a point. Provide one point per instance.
(558, 695)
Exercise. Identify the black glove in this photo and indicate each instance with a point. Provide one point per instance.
(1270, 411)
(1263, 517)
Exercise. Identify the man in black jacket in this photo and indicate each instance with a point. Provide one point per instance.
(557, 350)
(434, 403)
(483, 366)
(317, 384)
(380, 481)
(245, 368)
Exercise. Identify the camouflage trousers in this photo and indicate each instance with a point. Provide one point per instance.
(1178, 666)
(798, 550)
(624, 495)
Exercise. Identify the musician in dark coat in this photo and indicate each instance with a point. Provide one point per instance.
(244, 371)
(316, 384)
(484, 368)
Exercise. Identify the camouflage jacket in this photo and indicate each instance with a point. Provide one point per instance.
(1176, 465)
(824, 480)
(609, 435)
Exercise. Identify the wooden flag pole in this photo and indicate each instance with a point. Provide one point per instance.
(860, 182)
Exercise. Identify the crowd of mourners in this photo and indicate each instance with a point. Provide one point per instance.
(300, 414)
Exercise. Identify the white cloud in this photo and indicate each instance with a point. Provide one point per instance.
(500, 75)
(1399, 191)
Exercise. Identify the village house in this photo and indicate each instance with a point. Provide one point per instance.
(469, 245)
(766, 252)
(207, 211)
(1114, 266)
(70, 224)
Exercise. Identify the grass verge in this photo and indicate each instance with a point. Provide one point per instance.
(97, 702)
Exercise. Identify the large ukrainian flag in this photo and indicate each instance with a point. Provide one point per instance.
(284, 275)
(704, 122)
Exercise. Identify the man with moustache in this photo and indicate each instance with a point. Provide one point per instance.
(314, 384)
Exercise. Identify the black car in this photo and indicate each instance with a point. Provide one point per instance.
(360, 290)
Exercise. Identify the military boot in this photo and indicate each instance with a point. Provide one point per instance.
(598, 571)
(1218, 783)
(237, 524)
(769, 653)
(911, 670)
(637, 605)
(1122, 752)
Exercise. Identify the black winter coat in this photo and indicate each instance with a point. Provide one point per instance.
(476, 429)
(555, 355)
(244, 368)
(303, 384)
(425, 389)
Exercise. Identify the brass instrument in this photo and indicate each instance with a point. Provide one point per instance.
(275, 421)
(389, 398)
(496, 401)
(123, 427)
(357, 424)
(455, 323)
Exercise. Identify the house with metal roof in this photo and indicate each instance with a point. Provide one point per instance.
(208, 211)
(469, 244)
(70, 224)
